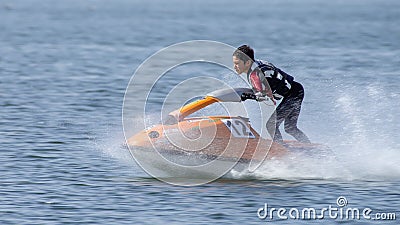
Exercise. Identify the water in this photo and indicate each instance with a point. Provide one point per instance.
(65, 65)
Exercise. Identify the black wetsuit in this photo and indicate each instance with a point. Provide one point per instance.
(288, 110)
(291, 92)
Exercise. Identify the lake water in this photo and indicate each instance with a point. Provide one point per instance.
(65, 65)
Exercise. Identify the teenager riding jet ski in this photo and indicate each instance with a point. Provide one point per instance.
(270, 81)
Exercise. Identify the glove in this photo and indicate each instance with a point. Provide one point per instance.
(246, 96)
(259, 97)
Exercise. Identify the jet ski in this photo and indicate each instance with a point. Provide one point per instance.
(203, 146)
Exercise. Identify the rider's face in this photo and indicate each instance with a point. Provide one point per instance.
(239, 65)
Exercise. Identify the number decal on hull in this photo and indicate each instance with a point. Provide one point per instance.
(238, 128)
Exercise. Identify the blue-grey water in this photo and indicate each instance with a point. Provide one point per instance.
(65, 65)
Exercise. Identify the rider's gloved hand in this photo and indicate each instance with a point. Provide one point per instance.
(259, 97)
(246, 96)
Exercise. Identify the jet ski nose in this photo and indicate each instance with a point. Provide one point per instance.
(141, 139)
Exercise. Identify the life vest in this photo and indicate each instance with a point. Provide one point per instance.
(279, 81)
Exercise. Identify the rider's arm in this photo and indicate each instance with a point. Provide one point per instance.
(255, 81)
(257, 85)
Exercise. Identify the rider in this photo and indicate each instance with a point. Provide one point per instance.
(270, 81)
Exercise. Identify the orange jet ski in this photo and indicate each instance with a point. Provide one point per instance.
(195, 141)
